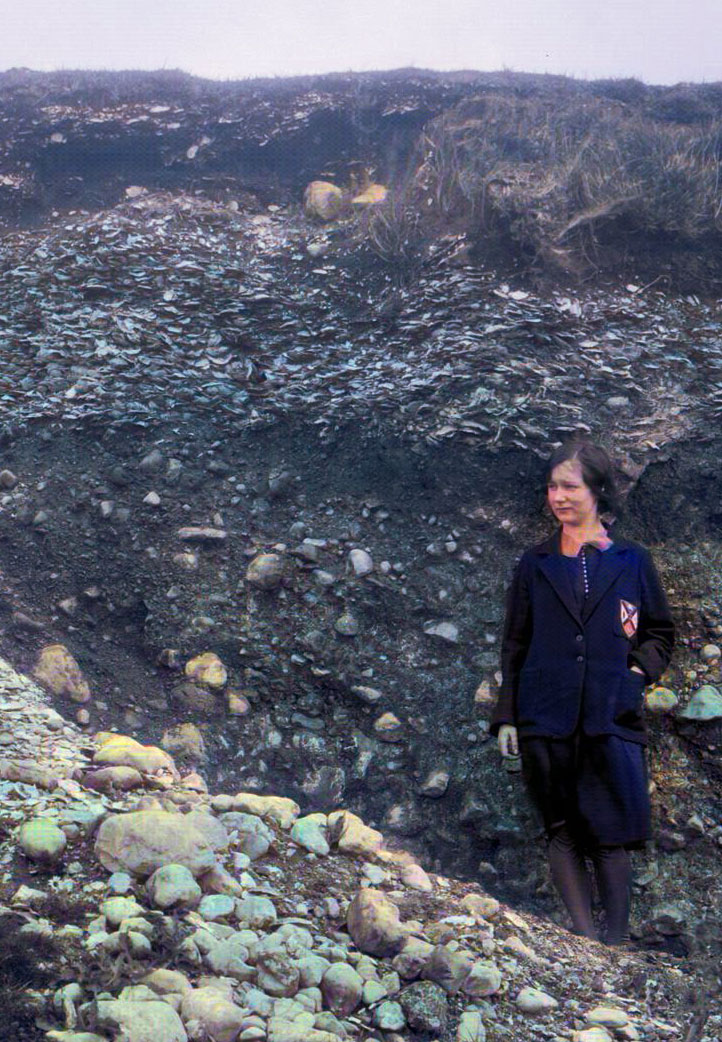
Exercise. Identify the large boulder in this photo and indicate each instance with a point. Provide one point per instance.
(141, 1021)
(217, 1017)
(373, 922)
(352, 836)
(143, 841)
(57, 670)
(121, 750)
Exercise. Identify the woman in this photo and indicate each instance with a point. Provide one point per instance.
(587, 627)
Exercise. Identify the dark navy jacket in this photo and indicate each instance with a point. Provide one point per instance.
(561, 666)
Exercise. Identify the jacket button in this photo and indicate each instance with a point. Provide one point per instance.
(580, 636)
(580, 658)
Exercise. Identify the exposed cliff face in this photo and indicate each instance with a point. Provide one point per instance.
(277, 380)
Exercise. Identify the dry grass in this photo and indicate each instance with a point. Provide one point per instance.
(562, 182)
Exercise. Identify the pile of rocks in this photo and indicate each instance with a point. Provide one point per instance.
(235, 918)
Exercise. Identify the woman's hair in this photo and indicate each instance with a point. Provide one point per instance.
(597, 471)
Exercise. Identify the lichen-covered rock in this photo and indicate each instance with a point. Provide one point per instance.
(373, 922)
(216, 906)
(167, 982)
(184, 740)
(277, 957)
(480, 907)
(471, 1027)
(207, 669)
(116, 909)
(57, 670)
(416, 878)
(110, 779)
(143, 841)
(607, 1017)
(389, 1016)
(425, 1007)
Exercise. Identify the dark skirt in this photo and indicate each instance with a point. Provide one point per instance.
(597, 785)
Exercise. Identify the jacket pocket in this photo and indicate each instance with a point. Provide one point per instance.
(629, 704)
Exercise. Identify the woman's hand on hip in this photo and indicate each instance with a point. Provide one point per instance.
(508, 741)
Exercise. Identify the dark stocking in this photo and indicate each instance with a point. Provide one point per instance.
(613, 871)
(571, 878)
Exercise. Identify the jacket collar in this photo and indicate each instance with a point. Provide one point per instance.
(551, 562)
(553, 544)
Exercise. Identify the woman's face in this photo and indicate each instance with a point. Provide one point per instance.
(569, 498)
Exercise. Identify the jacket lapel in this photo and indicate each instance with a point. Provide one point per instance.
(553, 566)
(612, 563)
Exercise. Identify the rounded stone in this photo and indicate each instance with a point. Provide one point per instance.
(607, 1017)
(265, 571)
(704, 705)
(207, 669)
(57, 670)
(533, 1001)
(173, 886)
(143, 841)
(342, 988)
(217, 1015)
(373, 922)
(309, 833)
(360, 563)
(388, 728)
(389, 1016)
(346, 625)
(216, 906)
(660, 699)
(141, 1020)
(483, 980)
(42, 841)
(256, 912)
(116, 909)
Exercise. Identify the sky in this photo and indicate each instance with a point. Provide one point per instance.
(665, 41)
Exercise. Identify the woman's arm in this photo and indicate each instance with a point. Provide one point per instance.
(514, 644)
(655, 634)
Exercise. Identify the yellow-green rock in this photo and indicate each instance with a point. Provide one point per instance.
(57, 670)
